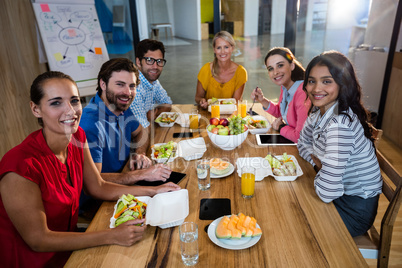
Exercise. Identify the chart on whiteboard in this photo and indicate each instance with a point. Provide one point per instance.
(72, 38)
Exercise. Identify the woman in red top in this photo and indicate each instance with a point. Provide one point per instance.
(41, 180)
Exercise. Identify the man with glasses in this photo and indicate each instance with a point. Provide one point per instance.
(151, 98)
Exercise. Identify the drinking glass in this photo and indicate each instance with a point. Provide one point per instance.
(193, 120)
(242, 108)
(189, 243)
(247, 181)
(203, 174)
(215, 111)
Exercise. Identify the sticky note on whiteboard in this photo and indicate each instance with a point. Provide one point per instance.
(80, 59)
(58, 56)
(98, 50)
(45, 7)
(71, 33)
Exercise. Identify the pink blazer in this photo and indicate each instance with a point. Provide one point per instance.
(297, 113)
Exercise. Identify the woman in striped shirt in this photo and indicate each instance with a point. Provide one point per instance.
(338, 141)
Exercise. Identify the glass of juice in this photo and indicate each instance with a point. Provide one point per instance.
(215, 111)
(193, 117)
(247, 181)
(242, 108)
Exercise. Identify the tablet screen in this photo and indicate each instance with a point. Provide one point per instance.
(175, 177)
(273, 139)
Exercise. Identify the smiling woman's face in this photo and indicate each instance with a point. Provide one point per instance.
(222, 49)
(280, 70)
(60, 108)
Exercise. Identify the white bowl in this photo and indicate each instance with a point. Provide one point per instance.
(260, 130)
(227, 142)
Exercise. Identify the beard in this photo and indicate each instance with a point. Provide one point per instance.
(113, 100)
(151, 77)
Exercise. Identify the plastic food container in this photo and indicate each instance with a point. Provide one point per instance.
(163, 210)
(188, 149)
(299, 171)
(182, 119)
(259, 130)
(261, 165)
(225, 108)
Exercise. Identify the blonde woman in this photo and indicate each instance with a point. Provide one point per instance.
(221, 78)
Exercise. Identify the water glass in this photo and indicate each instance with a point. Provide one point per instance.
(247, 181)
(203, 174)
(189, 243)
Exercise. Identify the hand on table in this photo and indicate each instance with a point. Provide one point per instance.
(158, 172)
(277, 122)
(204, 103)
(139, 161)
(317, 162)
(152, 114)
(167, 187)
(127, 234)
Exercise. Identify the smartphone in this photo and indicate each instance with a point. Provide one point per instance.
(252, 113)
(183, 135)
(272, 139)
(175, 177)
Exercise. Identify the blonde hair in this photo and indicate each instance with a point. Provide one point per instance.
(228, 38)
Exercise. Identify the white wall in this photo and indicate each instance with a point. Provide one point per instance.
(187, 19)
(250, 18)
(142, 19)
(278, 16)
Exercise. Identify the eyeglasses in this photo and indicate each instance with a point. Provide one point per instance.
(151, 61)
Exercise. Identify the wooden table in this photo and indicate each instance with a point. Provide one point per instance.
(299, 230)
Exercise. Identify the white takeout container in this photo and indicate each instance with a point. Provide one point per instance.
(167, 124)
(261, 165)
(226, 108)
(299, 171)
(259, 130)
(189, 149)
(183, 119)
(264, 169)
(163, 210)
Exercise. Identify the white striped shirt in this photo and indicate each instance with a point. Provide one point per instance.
(349, 162)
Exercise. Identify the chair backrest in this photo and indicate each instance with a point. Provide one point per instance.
(392, 184)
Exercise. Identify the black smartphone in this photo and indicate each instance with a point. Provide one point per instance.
(272, 139)
(213, 208)
(252, 113)
(183, 135)
(175, 177)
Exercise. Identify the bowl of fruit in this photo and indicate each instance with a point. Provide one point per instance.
(227, 133)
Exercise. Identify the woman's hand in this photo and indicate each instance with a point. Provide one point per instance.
(203, 103)
(317, 162)
(277, 122)
(257, 95)
(127, 234)
(167, 187)
(158, 172)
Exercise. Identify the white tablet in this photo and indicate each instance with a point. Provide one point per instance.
(272, 139)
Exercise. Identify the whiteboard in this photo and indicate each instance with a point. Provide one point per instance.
(73, 40)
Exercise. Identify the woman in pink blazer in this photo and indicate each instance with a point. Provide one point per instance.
(291, 110)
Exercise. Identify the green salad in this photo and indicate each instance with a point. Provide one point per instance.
(165, 150)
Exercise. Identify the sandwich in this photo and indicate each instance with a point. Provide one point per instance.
(129, 208)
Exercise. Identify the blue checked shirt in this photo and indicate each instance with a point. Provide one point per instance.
(147, 95)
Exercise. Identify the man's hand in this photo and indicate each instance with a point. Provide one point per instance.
(139, 161)
(158, 172)
(277, 122)
(317, 162)
(152, 114)
(167, 187)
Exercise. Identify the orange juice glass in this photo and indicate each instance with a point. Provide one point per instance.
(215, 111)
(193, 117)
(242, 108)
(247, 181)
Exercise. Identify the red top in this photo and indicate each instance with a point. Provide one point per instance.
(34, 160)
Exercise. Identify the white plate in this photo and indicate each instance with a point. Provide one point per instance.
(235, 244)
(230, 171)
(261, 165)
(167, 124)
(299, 171)
(260, 130)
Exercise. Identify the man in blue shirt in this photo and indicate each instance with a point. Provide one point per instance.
(150, 60)
(112, 130)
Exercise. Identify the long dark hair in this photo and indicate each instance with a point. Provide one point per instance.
(298, 71)
(36, 91)
(350, 91)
